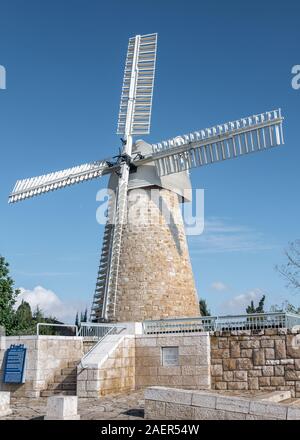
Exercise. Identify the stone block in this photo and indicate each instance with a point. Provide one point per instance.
(176, 411)
(167, 395)
(223, 343)
(147, 351)
(264, 381)
(269, 353)
(146, 371)
(277, 381)
(253, 383)
(228, 375)
(145, 341)
(5, 404)
(62, 408)
(221, 385)
(233, 404)
(154, 409)
(287, 361)
(268, 370)
(297, 364)
(276, 396)
(235, 350)
(214, 344)
(280, 349)
(240, 376)
(267, 343)
(207, 414)
(279, 370)
(229, 364)
(271, 331)
(293, 413)
(255, 373)
(244, 364)
(292, 375)
(258, 357)
(267, 409)
(207, 400)
(272, 362)
(293, 352)
(194, 370)
(246, 353)
(169, 371)
(238, 385)
(220, 353)
(151, 361)
(216, 370)
(251, 343)
(196, 382)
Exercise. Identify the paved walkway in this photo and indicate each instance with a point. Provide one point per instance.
(114, 407)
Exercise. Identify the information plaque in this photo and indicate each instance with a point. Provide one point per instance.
(15, 361)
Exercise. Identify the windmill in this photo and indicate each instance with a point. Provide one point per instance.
(145, 270)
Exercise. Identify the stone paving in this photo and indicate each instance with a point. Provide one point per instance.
(114, 407)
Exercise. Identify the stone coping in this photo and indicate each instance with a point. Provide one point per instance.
(35, 337)
(214, 405)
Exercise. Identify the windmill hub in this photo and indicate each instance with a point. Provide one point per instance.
(145, 270)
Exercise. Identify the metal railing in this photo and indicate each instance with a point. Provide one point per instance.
(65, 333)
(180, 325)
(255, 321)
(95, 331)
(112, 330)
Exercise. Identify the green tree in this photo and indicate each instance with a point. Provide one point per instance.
(259, 309)
(85, 316)
(23, 316)
(77, 320)
(291, 269)
(204, 311)
(8, 296)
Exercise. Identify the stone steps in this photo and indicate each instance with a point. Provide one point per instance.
(66, 378)
(49, 393)
(64, 383)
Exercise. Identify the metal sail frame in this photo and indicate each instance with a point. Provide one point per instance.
(134, 118)
(222, 142)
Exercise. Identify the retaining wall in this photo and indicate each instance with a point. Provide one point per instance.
(46, 355)
(266, 360)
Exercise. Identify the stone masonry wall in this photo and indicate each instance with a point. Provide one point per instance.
(155, 278)
(268, 360)
(45, 356)
(116, 374)
(192, 371)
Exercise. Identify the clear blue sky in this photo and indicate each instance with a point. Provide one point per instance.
(217, 61)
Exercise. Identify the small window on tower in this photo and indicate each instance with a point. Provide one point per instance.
(169, 356)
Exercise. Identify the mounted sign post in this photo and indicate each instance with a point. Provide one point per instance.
(15, 363)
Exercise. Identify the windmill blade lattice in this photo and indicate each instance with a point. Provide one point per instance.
(139, 66)
(34, 186)
(226, 141)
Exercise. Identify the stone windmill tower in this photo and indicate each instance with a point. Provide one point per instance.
(145, 270)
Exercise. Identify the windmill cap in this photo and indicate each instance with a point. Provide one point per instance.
(146, 175)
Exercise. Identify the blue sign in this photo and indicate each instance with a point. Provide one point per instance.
(14, 368)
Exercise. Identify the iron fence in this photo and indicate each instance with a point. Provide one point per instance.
(255, 321)
(96, 331)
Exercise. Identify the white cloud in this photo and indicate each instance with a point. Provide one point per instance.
(238, 304)
(49, 303)
(218, 285)
(221, 236)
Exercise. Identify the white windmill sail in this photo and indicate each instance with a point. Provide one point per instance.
(225, 141)
(134, 118)
(34, 186)
(139, 75)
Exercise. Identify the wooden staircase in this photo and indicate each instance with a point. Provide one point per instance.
(63, 383)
